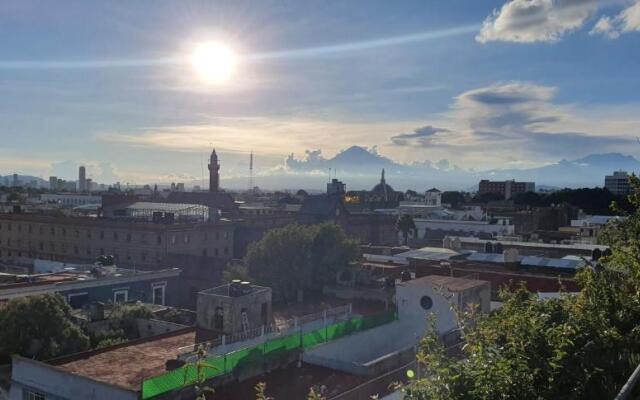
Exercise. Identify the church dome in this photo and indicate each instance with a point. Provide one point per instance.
(382, 188)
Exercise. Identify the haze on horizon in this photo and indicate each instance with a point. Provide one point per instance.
(455, 85)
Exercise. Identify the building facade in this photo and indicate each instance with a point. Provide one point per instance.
(505, 188)
(618, 183)
(25, 237)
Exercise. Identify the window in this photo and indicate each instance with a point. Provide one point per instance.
(101, 234)
(120, 296)
(52, 231)
(217, 235)
(159, 239)
(215, 252)
(75, 250)
(128, 237)
(426, 302)
(28, 394)
(158, 292)
(226, 251)
(78, 300)
(219, 319)
(115, 235)
(89, 234)
(64, 231)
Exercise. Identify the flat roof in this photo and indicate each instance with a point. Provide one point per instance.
(126, 366)
(451, 283)
(430, 253)
(580, 246)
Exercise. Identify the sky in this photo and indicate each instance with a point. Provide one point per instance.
(480, 84)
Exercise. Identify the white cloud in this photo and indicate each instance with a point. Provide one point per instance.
(528, 21)
(628, 20)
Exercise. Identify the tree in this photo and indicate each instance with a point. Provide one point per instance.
(581, 346)
(453, 198)
(405, 225)
(235, 270)
(39, 327)
(295, 257)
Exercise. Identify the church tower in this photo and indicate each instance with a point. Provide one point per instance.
(214, 175)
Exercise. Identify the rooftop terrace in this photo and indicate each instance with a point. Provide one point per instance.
(127, 365)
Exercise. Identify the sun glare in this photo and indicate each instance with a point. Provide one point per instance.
(214, 62)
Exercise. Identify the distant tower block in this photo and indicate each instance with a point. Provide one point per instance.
(82, 179)
(214, 172)
(251, 183)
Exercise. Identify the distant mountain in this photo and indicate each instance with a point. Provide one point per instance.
(360, 168)
(7, 180)
(586, 171)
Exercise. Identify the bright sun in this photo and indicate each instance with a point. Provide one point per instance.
(214, 62)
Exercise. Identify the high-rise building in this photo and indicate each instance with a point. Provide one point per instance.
(214, 172)
(15, 182)
(505, 188)
(618, 183)
(53, 182)
(82, 179)
(336, 187)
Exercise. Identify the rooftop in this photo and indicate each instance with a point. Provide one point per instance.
(22, 285)
(578, 246)
(451, 283)
(224, 290)
(127, 365)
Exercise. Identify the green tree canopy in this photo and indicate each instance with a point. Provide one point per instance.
(582, 346)
(39, 327)
(297, 257)
(405, 225)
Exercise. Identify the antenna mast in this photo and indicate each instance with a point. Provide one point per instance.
(251, 183)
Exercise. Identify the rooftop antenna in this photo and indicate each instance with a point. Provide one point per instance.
(201, 171)
(251, 184)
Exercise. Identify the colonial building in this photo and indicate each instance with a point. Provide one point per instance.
(382, 195)
(133, 243)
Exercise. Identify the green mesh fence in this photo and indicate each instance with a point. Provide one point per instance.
(260, 354)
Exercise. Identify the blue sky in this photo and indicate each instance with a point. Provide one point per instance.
(483, 84)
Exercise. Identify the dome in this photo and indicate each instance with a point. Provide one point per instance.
(382, 188)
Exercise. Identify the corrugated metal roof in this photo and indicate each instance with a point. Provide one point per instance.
(486, 257)
(429, 253)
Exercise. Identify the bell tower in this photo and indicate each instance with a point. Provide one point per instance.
(214, 175)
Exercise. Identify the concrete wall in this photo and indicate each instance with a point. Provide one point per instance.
(58, 385)
(253, 303)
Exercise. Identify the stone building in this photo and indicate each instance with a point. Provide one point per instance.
(140, 244)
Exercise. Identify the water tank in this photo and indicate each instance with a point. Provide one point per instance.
(245, 287)
(234, 288)
(497, 248)
(488, 247)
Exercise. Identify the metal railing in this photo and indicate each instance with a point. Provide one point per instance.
(339, 313)
(380, 385)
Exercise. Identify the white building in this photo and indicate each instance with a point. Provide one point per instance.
(433, 197)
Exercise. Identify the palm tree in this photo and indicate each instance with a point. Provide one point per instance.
(405, 224)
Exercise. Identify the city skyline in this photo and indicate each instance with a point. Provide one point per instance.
(418, 81)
